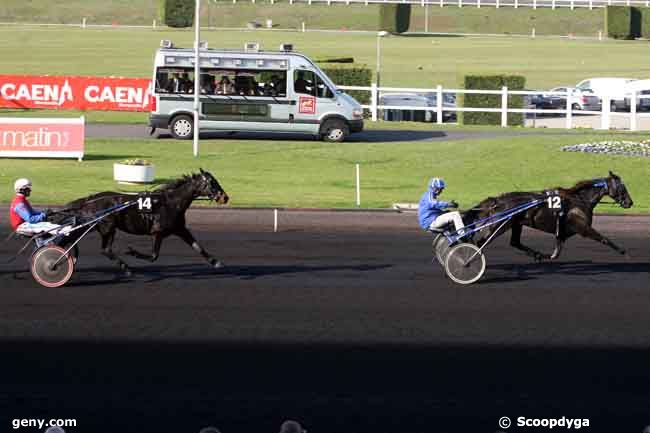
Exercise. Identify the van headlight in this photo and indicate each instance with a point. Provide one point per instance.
(357, 113)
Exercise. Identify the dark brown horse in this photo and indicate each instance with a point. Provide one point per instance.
(160, 213)
(564, 212)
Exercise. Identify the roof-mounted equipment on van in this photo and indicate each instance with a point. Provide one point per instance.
(203, 45)
(166, 43)
(286, 47)
(251, 47)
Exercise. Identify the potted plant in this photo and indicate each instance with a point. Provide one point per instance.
(133, 171)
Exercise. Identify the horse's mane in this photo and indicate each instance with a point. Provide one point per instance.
(578, 186)
(177, 183)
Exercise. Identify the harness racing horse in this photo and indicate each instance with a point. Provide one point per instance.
(164, 215)
(569, 212)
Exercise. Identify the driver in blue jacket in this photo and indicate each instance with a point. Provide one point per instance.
(433, 213)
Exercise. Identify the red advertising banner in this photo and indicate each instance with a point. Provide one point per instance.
(42, 138)
(75, 93)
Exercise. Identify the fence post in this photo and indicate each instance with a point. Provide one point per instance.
(303, 27)
(373, 101)
(460, 3)
(478, 4)
(605, 118)
(442, 3)
(572, 5)
(504, 106)
(600, 35)
(633, 99)
(275, 220)
(358, 187)
(532, 33)
(534, 4)
(83, 23)
(439, 104)
(569, 111)
(497, 4)
(553, 5)
(591, 5)
(516, 4)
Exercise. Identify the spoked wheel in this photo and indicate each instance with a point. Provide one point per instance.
(45, 272)
(465, 264)
(440, 248)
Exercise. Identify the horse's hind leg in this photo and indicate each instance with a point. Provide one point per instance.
(107, 250)
(185, 234)
(591, 233)
(515, 241)
(155, 250)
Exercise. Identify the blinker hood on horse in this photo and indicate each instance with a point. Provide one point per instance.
(569, 212)
(159, 214)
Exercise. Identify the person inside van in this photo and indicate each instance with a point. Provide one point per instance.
(224, 86)
(208, 84)
(276, 86)
(174, 83)
(301, 85)
(187, 85)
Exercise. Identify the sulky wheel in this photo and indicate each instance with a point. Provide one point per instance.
(440, 248)
(43, 269)
(460, 268)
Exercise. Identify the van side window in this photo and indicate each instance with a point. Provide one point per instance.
(308, 83)
(175, 80)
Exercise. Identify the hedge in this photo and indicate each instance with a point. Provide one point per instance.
(490, 82)
(179, 13)
(358, 75)
(618, 22)
(394, 18)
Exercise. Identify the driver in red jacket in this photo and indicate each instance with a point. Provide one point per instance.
(24, 219)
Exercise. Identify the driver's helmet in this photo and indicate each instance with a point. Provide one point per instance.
(437, 184)
(22, 184)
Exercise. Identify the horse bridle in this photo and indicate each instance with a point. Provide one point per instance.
(207, 185)
(616, 186)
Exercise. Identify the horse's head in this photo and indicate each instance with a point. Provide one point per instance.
(616, 190)
(209, 187)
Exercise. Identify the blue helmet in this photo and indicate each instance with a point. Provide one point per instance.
(436, 184)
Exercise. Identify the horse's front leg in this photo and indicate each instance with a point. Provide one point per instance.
(155, 249)
(515, 241)
(591, 233)
(185, 234)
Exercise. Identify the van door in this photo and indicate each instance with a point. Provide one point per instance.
(313, 98)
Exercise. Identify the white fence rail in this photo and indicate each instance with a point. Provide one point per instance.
(553, 4)
(606, 115)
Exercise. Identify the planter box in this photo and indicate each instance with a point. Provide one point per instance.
(133, 173)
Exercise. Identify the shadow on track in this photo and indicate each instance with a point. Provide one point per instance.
(530, 271)
(371, 136)
(152, 274)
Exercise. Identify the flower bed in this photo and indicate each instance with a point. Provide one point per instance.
(614, 147)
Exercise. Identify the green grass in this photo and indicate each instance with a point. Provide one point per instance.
(318, 16)
(315, 174)
(406, 61)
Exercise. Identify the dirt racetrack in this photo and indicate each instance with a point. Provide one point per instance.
(338, 320)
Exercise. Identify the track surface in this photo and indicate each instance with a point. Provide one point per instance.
(367, 136)
(340, 321)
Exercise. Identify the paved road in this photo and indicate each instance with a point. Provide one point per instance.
(338, 320)
(371, 136)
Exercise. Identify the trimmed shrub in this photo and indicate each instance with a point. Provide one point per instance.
(335, 60)
(645, 22)
(358, 75)
(618, 22)
(490, 82)
(394, 18)
(179, 13)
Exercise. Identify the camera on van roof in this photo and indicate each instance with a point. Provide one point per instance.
(286, 47)
(166, 43)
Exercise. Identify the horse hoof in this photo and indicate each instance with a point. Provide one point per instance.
(127, 273)
(218, 265)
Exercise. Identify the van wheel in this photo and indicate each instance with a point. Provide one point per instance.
(182, 127)
(334, 131)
